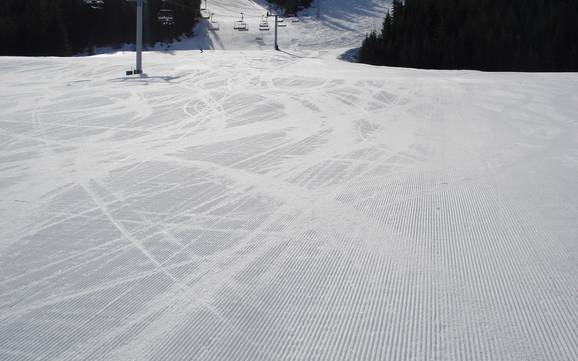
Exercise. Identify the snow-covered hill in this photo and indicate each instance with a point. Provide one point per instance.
(341, 24)
(262, 205)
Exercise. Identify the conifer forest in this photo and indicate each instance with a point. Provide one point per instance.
(495, 35)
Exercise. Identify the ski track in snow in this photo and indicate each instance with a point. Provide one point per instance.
(254, 205)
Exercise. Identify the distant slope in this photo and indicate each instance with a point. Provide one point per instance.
(342, 24)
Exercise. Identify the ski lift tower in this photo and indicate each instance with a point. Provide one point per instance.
(276, 16)
(139, 16)
(139, 5)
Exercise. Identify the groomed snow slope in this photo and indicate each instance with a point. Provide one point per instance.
(255, 205)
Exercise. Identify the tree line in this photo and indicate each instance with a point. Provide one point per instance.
(494, 35)
(68, 27)
(291, 6)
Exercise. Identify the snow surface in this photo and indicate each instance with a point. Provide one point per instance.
(261, 205)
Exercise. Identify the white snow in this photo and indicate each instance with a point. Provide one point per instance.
(260, 205)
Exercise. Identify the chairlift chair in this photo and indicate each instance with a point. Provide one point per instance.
(166, 17)
(264, 24)
(240, 25)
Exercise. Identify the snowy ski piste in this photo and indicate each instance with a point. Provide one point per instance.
(248, 204)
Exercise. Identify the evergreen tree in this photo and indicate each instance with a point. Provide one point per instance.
(514, 35)
(65, 27)
(291, 6)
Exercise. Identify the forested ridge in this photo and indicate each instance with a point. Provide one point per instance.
(67, 27)
(291, 6)
(513, 35)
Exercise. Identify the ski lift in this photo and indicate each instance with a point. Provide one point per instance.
(165, 17)
(213, 25)
(95, 4)
(264, 24)
(281, 22)
(240, 25)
